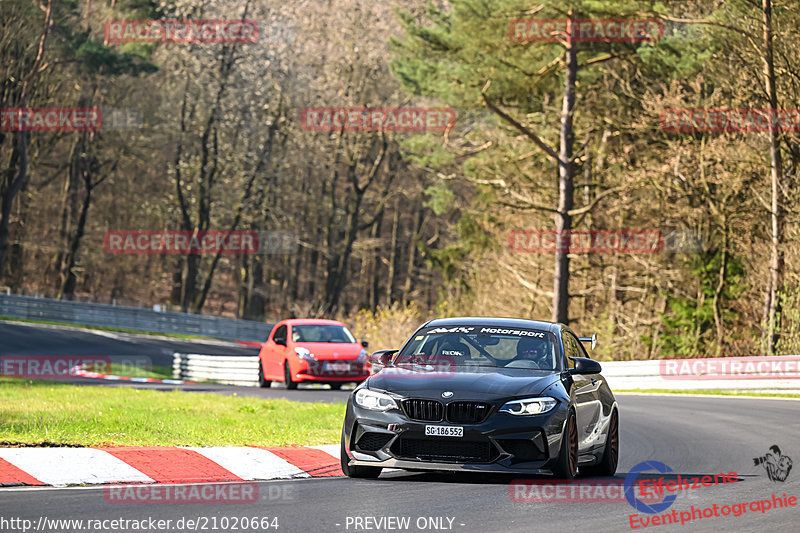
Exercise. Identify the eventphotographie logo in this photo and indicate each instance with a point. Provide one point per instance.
(775, 463)
(642, 504)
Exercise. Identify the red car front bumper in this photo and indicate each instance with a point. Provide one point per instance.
(331, 371)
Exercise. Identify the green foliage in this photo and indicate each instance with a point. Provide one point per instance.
(441, 198)
(689, 324)
(96, 58)
(426, 151)
(682, 52)
(33, 412)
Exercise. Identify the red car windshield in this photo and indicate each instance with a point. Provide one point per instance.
(322, 333)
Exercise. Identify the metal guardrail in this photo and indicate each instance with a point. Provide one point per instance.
(230, 370)
(92, 314)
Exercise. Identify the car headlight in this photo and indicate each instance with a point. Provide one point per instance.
(529, 406)
(377, 401)
(303, 353)
(362, 357)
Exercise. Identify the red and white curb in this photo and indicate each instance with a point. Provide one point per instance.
(80, 372)
(90, 466)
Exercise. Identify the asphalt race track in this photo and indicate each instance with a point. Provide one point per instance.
(43, 340)
(692, 435)
(17, 338)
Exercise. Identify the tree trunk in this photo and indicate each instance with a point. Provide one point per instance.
(723, 269)
(15, 182)
(393, 254)
(772, 307)
(68, 279)
(375, 285)
(412, 255)
(565, 184)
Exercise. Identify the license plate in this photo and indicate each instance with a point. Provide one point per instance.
(444, 431)
(337, 367)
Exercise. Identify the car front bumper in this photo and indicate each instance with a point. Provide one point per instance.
(501, 443)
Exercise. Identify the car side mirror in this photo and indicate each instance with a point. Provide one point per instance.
(585, 366)
(592, 340)
(382, 357)
(365, 344)
(280, 340)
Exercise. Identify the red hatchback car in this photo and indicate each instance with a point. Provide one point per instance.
(312, 350)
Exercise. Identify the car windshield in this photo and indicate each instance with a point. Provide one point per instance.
(322, 333)
(479, 346)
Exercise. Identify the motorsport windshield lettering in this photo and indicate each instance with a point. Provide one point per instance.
(486, 330)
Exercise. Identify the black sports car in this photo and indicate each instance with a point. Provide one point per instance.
(485, 395)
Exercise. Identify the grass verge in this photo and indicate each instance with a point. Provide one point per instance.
(57, 414)
(714, 392)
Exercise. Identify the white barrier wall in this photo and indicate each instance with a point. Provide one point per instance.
(228, 369)
(775, 373)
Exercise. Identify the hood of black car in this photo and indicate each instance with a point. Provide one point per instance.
(483, 384)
